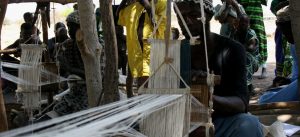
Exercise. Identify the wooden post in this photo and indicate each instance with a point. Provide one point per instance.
(45, 33)
(3, 118)
(295, 19)
(90, 49)
(168, 27)
(110, 83)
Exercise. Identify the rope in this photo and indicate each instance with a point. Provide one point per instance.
(203, 19)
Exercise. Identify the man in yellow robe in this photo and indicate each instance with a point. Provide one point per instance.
(136, 16)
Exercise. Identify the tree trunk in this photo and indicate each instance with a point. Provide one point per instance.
(295, 18)
(110, 88)
(90, 50)
(3, 119)
(56, 1)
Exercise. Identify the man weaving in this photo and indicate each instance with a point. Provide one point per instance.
(226, 58)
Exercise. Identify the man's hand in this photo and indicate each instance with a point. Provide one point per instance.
(251, 45)
(147, 6)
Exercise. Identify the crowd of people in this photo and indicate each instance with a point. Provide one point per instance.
(235, 54)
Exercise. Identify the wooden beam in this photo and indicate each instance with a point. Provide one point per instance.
(56, 1)
(275, 105)
(275, 112)
(3, 119)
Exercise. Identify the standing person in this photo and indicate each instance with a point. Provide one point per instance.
(291, 91)
(283, 23)
(121, 41)
(227, 58)
(254, 10)
(282, 49)
(137, 17)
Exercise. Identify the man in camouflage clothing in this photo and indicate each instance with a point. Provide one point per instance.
(71, 66)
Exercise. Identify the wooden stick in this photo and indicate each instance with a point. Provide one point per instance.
(277, 105)
(9, 51)
(56, 1)
(276, 111)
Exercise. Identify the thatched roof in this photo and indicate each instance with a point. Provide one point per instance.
(56, 1)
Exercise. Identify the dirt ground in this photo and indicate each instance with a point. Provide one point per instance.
(260, 85)
(10, 33)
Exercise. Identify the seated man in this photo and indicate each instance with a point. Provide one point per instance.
(248, 38)
(69, 55)
(26, 37)
(71, 65)
(29, 18)
(58, 38)
(227, 58)
(290, 92)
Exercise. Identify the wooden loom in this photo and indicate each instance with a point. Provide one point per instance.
(201, 93)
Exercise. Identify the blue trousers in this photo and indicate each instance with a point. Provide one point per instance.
(239, 125)
(279, 53)
(289, 93)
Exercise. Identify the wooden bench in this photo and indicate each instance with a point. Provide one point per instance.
(287, 112)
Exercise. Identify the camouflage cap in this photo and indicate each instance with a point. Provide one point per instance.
(73, 17)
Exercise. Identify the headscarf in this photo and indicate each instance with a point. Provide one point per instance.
(283, 15)
(73, 17)
(222, 12)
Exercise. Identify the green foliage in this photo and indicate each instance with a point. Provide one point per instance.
(66, 12)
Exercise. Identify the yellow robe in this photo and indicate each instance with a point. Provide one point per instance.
(138, 59)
